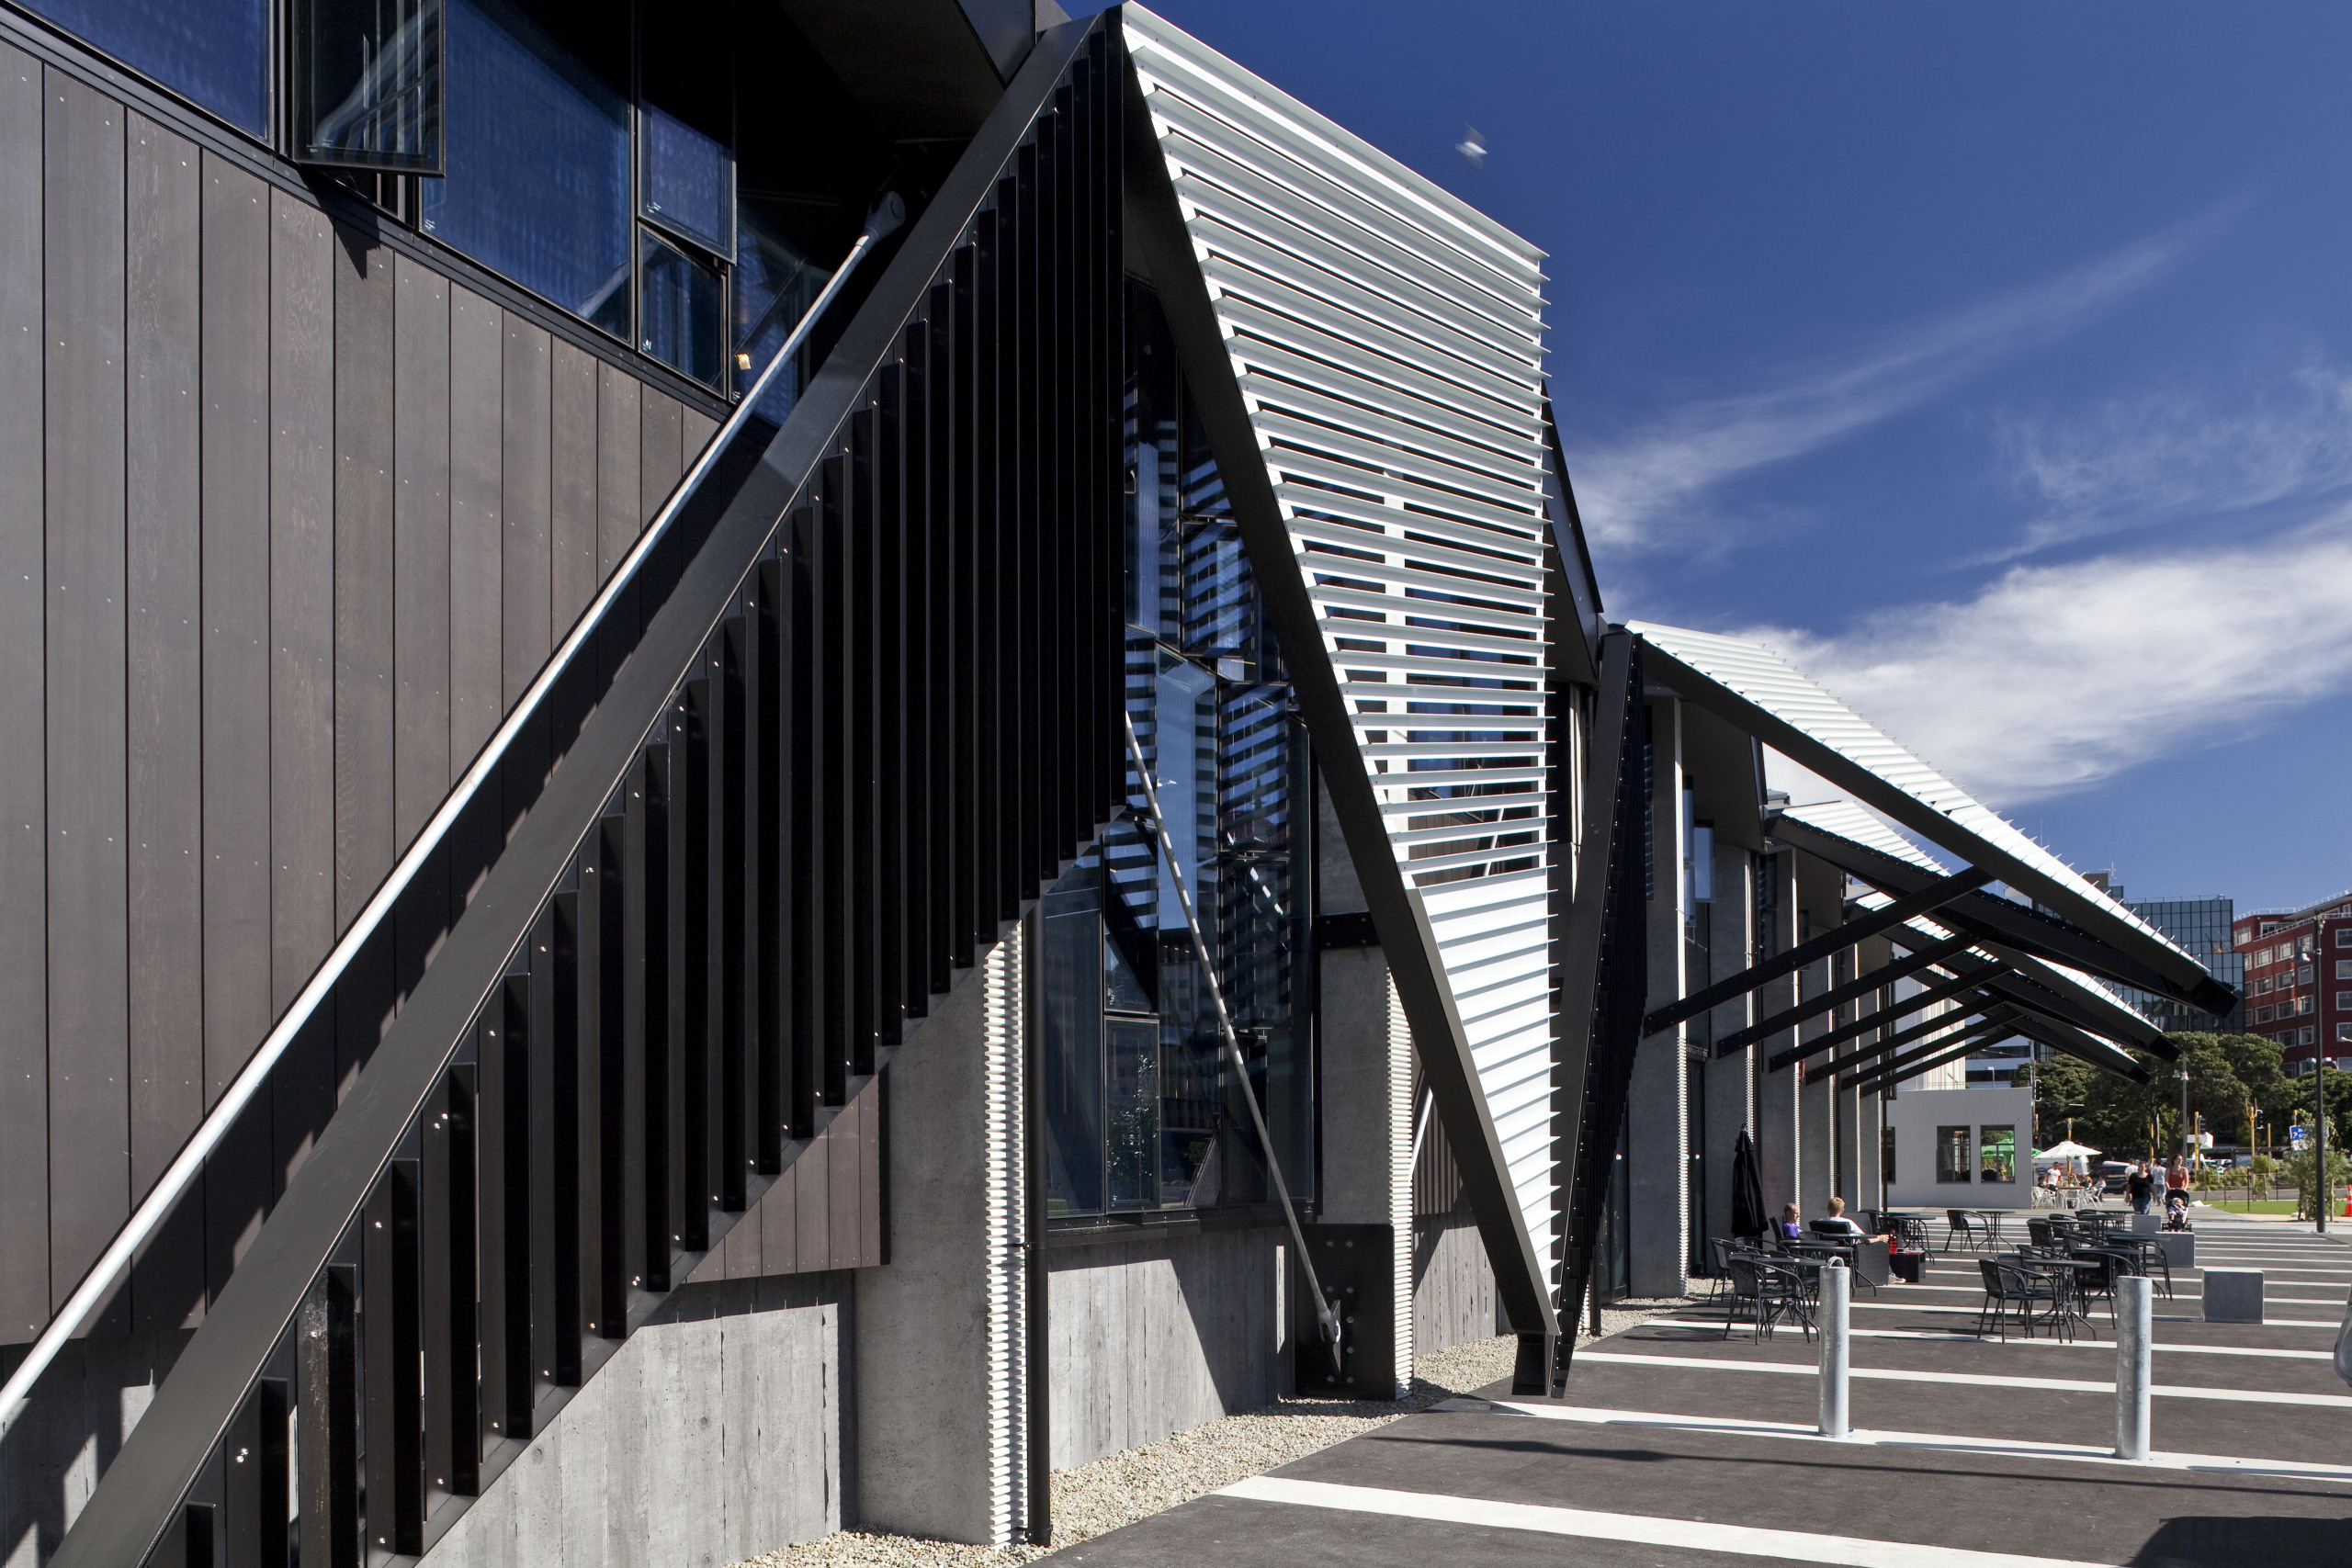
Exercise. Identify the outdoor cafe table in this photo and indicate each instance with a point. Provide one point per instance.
(2078, 1305)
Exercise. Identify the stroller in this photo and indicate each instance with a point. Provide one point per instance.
(2176, 1209)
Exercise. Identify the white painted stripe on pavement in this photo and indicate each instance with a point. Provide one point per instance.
(2037, 1344)
(1978, 1288)
(1645, 1530)
(2296, 1470)
(2160, 1317)
(1981, 1380)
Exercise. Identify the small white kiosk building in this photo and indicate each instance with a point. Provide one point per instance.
(1959, 1148)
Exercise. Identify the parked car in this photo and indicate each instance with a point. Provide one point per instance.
(2112, 1174)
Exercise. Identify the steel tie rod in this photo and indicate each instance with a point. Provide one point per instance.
(1324, 1315)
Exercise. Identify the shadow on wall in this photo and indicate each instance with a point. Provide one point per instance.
(82, 1409)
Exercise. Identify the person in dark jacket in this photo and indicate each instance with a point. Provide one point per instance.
(2140, 1187)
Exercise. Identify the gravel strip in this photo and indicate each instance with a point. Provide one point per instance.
(1118, 1490)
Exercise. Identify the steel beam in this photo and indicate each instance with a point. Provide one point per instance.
(1927, 1055)
(1864, 1025)
(1941, 1024)
(1812, 952)
(1982, 915)
(1838, 996)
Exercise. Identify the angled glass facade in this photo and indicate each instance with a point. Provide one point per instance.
(2201, 927)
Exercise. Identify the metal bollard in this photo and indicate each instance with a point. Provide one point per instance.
(1837, 1322)
(2134, 1344)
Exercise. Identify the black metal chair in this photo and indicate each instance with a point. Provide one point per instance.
(2010, 1288)
(2154, 1261)
(1767, 1291)
(1965, 1224)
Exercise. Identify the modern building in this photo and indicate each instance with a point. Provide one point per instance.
(777, 761)
(2298, 978)
(2207, 928)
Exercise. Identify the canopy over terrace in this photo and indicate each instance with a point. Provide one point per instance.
(1985, 967)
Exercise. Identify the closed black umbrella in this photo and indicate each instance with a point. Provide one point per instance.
(1746, 1190)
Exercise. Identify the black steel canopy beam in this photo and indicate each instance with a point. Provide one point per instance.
(1864, 1025)
(2021, 979)
(2081, 1044)
(1991, 1027)
(1838, 996)
(1941, 1024)
(1919, 902)
(1895, 1073)
(1864, 1064)
(1985, 915)
(1993, 851)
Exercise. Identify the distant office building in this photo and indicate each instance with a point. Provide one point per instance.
(2298, 978)
(2201, 927)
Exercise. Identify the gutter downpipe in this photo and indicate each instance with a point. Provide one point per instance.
(887, 215)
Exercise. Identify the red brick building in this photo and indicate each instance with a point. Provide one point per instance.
(2298, 980)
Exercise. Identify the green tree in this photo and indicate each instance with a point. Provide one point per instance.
(2128, 1121)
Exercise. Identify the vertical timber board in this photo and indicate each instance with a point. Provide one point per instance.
(236, 619)
(695, 430)
(526, 482)
(163, 470)
(301, 595)
(24, 947)
(365, 564)
(477, 335)
(86, 691)
(618, 448)
(659, 460)
(421, 587)
(573, 526)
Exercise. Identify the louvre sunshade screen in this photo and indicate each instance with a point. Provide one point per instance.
(1386, 339)
(1839, 739)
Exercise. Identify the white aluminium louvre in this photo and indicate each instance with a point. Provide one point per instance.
(1388, 342)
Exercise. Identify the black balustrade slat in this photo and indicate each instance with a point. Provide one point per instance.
(889, 705)
(763, 792)
(445, 1250)
(650, 1232)
(914, 610)
(327, 1381)
(831, 781)
(390, 1329)
(1023, 423)
(555, 1145)
(939, 617)
(188, 1543)
(608, 1091)
(1045, 372)
(960, 673)
(503, 1136)
(801, 935)
(254, 1473)
(690, 957)
(990, 414)
(861, 819)
(731, 1000)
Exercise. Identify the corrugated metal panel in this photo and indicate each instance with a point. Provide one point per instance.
(1388, 343)
(1762, 677)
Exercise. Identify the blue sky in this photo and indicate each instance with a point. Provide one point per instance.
(1994, 361)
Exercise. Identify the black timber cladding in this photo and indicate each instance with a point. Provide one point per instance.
(1003, 304)
(240, 700)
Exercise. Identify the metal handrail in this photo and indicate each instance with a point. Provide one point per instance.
(886, 216)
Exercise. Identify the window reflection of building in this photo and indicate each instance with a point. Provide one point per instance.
(1143, 1110)
(1997, 1153)
(1953, 1154)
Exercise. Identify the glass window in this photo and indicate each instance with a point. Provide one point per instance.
(215, 54)
(2303, 1004)
(2307, 1037)
(538, 156)
(678, 308)
(1996, 1153)
(2262, 1015)
(2344, 968)
(689, 181)
(2344, 1031)
(2344, 936)
(367, 84)
(775, 285)
(1071, 1025)
(1951, 1154)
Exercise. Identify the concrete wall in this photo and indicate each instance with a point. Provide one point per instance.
(1453, 1286)
(714, 1433)
(940, 1449)
(1777, 1119)
(1162, 1334)
(1730, 1091)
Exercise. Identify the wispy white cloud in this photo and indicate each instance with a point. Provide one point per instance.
(2182, 453)
(2053, 678)
(1629, 490)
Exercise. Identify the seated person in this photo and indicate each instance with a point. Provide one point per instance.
(1791, 1225)
(1838, 1220)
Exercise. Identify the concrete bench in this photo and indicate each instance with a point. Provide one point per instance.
(2233, 1295)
